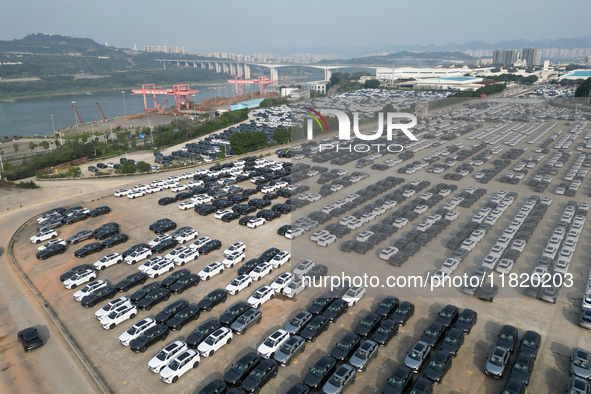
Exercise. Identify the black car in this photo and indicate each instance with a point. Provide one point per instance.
(453, 341)
(385, 332)
(233, 312)
(98, 295)
(227, 218)
(368, 325)
(522, 368)
(448, 316)
(422, 386)
(165, 244)
(99, 211)
(184, 283)
(318, 270)
(268, 214)
(210, 246)
(79, 268)
(106, 230)
(164, 227)
(404, 312)
(212, 299)
(133, 248)
(269, 254)
(173, 277)
(80, 236)
(89, 249)
(260, 375)
(400, 381)
(508, 338)
(166, 201)
(144, 291)
(115, 240)
(387, 306)
(202, 332)
(320, 305)
(349, 246)
(314, 328)
(466, 320)
(433, 334)
(336, 308)
(170, 310)
(248, 266)
(530, 344)
(514, 386)
(149, 337)
(158, 223)
(138, 278)
(320, 372)
(77, 217)
(183, 196)
(154, 298)
(243, 221)
(283, 229)
(183, 317)
(244, 209)
(438, 367)
(205, 209)
(51, 250)
(241, 369)
(345, 348)
(30, 339)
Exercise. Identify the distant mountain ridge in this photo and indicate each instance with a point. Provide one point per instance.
(42, 43)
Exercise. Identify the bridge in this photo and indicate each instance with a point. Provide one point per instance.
(242, 69)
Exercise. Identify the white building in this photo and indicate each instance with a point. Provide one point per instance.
(393, 74)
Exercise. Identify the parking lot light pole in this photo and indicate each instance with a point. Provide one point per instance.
(124, 105)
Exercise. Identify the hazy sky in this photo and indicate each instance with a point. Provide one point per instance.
(265, 25)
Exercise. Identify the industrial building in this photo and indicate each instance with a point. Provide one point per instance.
(394, 74)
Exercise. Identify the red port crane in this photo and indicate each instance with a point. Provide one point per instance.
(180, 92)
(262, 81)
(101, 111)
(79, 120)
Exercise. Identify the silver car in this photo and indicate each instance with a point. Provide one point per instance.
(366, 352)
(580, 363)
(417, 356)
(289, 350)
(340, 380)
(496, 362)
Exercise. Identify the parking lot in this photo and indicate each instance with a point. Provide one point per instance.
(557, 324)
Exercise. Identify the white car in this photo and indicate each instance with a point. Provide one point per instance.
(468, 244)
(43, 236)
(108, 260)
(450, 265)
(199, 242)
(238, 284)
(118, 315)
(363, 236)
(269, 347)
(148, 264)
(388, 252)
(326, 240)
(111, 305)
(211, 270)
(504, 266)
(354, 294)
(317, 234)
(137, 194)
(235, 247)
(215, 341)
(262, 295)
(89, 288)
(221, 213)
(490, 261)
(518, 244)
(261, 270)
(354, 224)
(586, 304)
(293, 233)
(185, 361)
(303, 267)
(233, 259)
(280, 258)
(58, 241)
(166, 355)
(154, 189)
(175, 252)
(158, 239)
(122, 192)
(186, 256)
(136, 330)
(179, 188)
(400, 222)
(187, 205)
(138, 255)
(281, 282)
(256, 222)
(80, 278)
(160, 268)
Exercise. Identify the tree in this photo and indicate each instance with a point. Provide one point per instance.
(142, 166)
(584, 89)
(45, 144)
(371, 84)
(247, 142)
(222, 154)
(281, 136)
(127, 168)
(336, 78)
(32, 146)
(57, 143)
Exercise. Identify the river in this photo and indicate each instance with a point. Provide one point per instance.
(30, 117)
